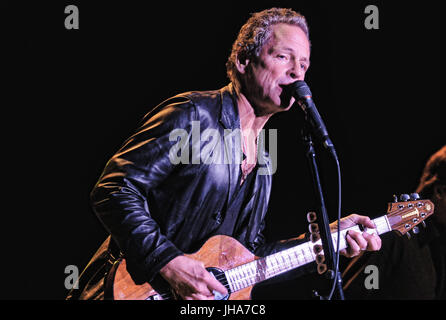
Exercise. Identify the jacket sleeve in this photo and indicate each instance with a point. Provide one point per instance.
(119, 198)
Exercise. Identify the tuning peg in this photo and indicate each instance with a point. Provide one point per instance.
(314, 237)
(317, 248)
(415, 230)
(313, 228)
(408, 235)
(321, 268)
(395, 198)
(320, 258)
(414, 196)
(423, 224)
(311, 216)
(404, 197)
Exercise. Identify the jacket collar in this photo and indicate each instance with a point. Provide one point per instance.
(229, 115)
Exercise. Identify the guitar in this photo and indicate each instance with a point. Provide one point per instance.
(239, 270)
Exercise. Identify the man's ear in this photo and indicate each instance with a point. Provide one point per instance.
(241, 64)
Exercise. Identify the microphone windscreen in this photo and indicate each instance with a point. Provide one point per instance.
(300, 89)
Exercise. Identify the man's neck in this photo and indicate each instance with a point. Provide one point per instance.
(248, 119)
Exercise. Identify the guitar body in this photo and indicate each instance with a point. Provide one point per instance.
(238, 269)
(220, 252)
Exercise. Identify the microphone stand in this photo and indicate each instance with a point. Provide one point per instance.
(323, 222)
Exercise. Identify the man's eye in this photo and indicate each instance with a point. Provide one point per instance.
(281, 56)
(303, 66)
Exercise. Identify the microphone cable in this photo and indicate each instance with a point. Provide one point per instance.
(335, 280)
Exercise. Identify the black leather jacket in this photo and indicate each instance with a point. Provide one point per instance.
(156, 210)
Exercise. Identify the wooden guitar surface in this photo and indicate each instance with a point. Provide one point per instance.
(220, 251)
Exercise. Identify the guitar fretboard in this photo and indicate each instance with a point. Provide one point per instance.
(264, 268)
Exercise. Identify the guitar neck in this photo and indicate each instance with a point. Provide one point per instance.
(270, 266)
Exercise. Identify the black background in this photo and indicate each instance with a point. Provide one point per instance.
(71, 97)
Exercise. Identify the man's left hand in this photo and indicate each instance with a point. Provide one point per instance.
(358, 241)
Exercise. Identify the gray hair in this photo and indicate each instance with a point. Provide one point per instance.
(256, 32)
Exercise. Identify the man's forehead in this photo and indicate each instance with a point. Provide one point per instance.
(289, 35)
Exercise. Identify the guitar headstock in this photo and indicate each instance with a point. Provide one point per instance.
(405, 215)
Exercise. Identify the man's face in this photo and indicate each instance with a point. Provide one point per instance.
(284, 59)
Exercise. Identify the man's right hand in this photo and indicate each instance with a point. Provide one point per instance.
(190, 279)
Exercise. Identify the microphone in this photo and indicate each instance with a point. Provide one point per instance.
(301, 92)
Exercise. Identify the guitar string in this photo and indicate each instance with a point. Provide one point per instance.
(289, 261)
(288, 265)
(247, 280)
(240, 272)
(250, 279)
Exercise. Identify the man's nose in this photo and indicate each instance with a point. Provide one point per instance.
(296, 72)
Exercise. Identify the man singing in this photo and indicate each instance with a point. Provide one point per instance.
(156, 209)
